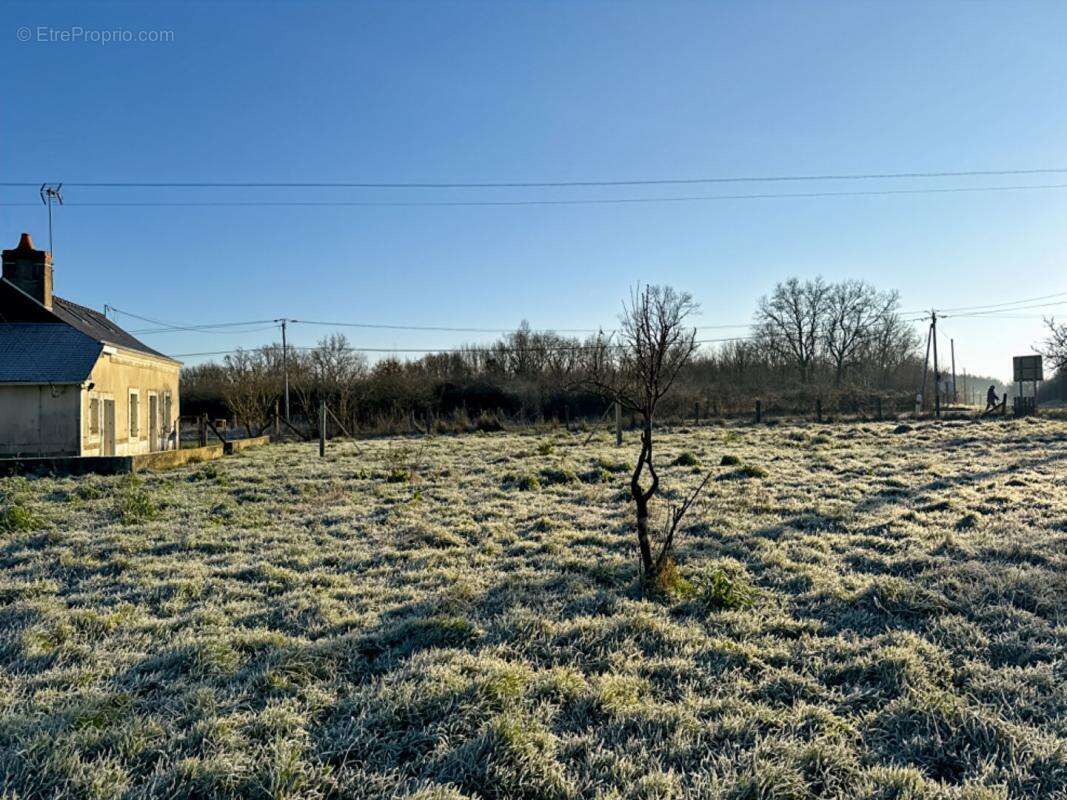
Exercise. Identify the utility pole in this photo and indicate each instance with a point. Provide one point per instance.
(48, 192)
(926, 368)
(285, 366)
(955, 394)
(937, 375)
(322, 429)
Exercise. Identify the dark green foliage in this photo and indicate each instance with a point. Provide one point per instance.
(524, 482)
(16, 511)
(551, 476)
(134, 502)
(16, 516)
(685, 459)
(611, 465)
(744, 471)
(724, 591)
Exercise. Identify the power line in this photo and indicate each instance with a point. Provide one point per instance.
(177, 326)
(1006, 306)
(1008, 303)
(545, 184)
(445, 329)
(452, 350)
(574, 202)
(228, 331)
(169, 327)
(996, 311)
(993, 313)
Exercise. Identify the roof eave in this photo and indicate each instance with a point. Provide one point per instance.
(44, 383)
(139, 353)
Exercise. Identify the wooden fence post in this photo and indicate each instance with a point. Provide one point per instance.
(618, 424)
(878, 407)
(202, 430)
(759, 411)
(818, 409)
(696, 412)
(277, 420)
(322, 430)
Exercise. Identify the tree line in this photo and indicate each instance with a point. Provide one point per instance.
(842, 343)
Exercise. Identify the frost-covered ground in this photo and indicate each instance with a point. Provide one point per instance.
(865, 612)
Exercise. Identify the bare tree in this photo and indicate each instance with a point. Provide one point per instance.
(853, 309)
(337, 369)
(891, 344)
(637, 371)
(1055, 346)
(791, 321)
(250, 386)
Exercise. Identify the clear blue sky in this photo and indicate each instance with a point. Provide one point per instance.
(515, 91)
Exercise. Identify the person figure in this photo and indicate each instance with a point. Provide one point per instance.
(991, 399)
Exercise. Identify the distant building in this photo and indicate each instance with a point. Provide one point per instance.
(72, 383)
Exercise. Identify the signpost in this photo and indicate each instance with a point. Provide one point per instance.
(1027, 369)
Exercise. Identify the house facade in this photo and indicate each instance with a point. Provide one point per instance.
(72, 383)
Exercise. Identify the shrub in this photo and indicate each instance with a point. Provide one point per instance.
(15, 511)
(488, 423)
(89, 491)
(401, 464)
(744, 471)
(15, 516)
(551, 476)
(723, 591)
(685, 459)
(524, 482)
(595, 475)
(209, 472)
(608, 465)
(669, 582)
(545, 448)
(729, 461)
(134, 503)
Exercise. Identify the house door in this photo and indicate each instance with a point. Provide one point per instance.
(153, 422)
(107, 429)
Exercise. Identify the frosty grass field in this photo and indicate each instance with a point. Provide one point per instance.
(866, 612)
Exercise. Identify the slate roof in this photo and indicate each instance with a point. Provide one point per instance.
(45, 352)
(97, 326)
(68, 333)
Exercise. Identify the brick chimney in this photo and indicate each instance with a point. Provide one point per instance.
(30, 270)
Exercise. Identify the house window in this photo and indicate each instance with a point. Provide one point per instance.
(166, 412)
(135, 413)
(94, 417)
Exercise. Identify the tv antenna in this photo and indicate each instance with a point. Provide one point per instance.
(50, 191)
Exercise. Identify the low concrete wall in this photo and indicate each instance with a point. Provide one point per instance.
(109, 465)
(169, 459)
(237, 445)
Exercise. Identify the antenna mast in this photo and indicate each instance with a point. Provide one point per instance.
(48, 192)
